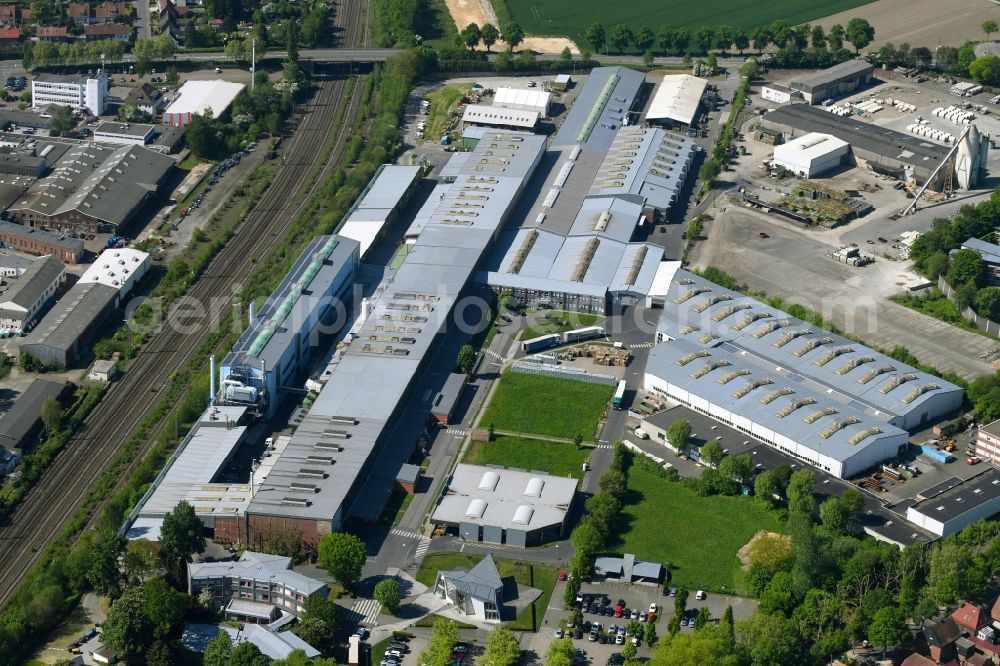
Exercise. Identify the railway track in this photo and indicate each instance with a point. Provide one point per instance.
(47, 508)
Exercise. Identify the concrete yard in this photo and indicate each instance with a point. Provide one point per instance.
(793, 265)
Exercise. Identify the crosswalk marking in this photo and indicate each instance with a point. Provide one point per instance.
(368, 609)
(455, 431)
(603, 446)
(422, 547)
(641, 345)
(404, 533)
(495, 355)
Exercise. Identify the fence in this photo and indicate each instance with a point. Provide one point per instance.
(982, 323)
(563, 373)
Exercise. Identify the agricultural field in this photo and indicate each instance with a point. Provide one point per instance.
(572, 17)
(664, 521)
(541, 405)
(556, 458)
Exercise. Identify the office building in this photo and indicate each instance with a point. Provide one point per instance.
(80, 93)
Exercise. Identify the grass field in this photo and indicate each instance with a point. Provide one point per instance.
(560, 322)
(571, 18)
(539, 576)
(442, 100)
(556, 458)
(665, 522)
(546, 405)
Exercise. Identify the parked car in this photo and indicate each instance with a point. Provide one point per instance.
(559, 632)
(562, 575)
(700, 595)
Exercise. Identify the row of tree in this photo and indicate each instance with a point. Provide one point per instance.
(679, 40)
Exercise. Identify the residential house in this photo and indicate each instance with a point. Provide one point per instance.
(116, 31)
(941, 637)
(109, 12)
(148, 99)
(23, 16)
(52, 33)
(80, 13)
(8, 14)
(9, 34)
(970, 616)
(918, 660)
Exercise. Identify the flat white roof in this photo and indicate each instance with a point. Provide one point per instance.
(664, 276)
(809, 147)
(363, 231)
(196, 96)
(515, 97)
(114, 267)
(677, 98)
(495, 115)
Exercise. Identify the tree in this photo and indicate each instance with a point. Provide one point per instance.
(644, 39)
(859, 33)
(679, 433)
(62, 124)
(741, 40)
(987, 303)
(647, 58)
(387, 593)
(560, 653)
(985, 69)
(799, 492)
(489, 35)
(247, 654)
(587, 541)
(853, 502)
(709, 171)
(103, 575)
(965, 294)
(766, 487)
(888, 627)
(771, 554)
(513, 34)
(724, 37)
(711, 452)
(989, 27)
(502, 648)
(180, 538)
(444, 634)
(835, 38)
(564, 56)
(218, 650)
(740, 469)
(160, 653)
(964, 265)
(703, 38)
(51, 410)
(471, 36)
(141, 560)
(466, 359)
(781, 32)
(702, 618)
(621, 37)
(596, 36)
(709, 645)
(818, 37)
(172, 77)
(665, 38)
(126, 629)
(769, 639)
(833, 515)
(164, 606)
(628, 652)
(318, 623)
(342, 555)
(649, 633)
(682, 39)
(761, 38)
(571, 590)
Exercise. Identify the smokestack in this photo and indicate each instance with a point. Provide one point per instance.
(251, 313)
(211, 379)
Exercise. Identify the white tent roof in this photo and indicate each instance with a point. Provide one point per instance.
(677, 98)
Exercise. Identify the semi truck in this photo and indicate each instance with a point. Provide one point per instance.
(583, 334)
(541, 342)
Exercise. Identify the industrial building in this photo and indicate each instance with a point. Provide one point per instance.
(197, 97)
(970, 158)
(444, 403)
(811, 393)
(573, 250)
(477, 593)
(129, 134)
(22, 421)
(629, 570)
(59, 338)
(949, 506)
(885, 151)
(990, 254)
(988, 442)
(535, 99)
(504, 506)
(379, 205)
(601, 108)
(254, 588)
(29, 240)
(835, 81)
(341, 463)
(676, 100)
(811, 155)
(93, 188)
(274, 352)
(27, 295)
(81, 93)
(774, 92)
(192, 475)
(497, 117)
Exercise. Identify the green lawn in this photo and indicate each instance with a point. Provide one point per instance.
(442, 100)
(395, 508)
(543, 405)
(665, 522)
(539, 576)
(572, 17)
(560, 322)
(556, 458)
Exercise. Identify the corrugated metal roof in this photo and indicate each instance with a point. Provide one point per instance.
(600, 108)
(677, 98)
(830, 75)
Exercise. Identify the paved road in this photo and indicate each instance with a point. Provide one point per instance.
(144, 30)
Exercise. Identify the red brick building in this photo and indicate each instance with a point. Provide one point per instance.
(35, 241)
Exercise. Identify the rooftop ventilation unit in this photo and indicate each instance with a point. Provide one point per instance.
(792, 406)
(589, 250)
(304, 487)
(730, 376)
(859, 437)
(295, 501)
(810, 345)
(708, 337)
(522, 252)
(337, 434)
(875, 372)
(326, 460)
(789, 336)
(710, 301)
(690, 329)
(917, 392)
(774, 395)
(770, 327)
(751, 385)
(691, 293)
(708, 367)
(895, 382)
(687, 358)
(853, 363)
(312, 472)
(329, 446)
(728, 310)
(837, 426)
(749, 319)
(832, 354)
(817, 415)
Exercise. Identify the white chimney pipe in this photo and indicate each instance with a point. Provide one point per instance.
(211, 379)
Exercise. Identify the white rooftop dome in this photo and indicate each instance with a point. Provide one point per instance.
(523, 515)
(489, 481)
(534, 487)
(477, 508)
